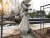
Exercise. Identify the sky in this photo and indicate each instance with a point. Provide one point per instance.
(35, 4)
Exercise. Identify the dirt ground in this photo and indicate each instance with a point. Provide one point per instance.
(43, 33)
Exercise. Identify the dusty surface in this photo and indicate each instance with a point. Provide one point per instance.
(37, 26)
(12, 34)
(0, 34)
(43, 33)
(13, 31)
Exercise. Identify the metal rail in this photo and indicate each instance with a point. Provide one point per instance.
(45, 5)
(2, 18)
(43, 15)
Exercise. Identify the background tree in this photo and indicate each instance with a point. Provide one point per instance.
(48, 16)
(37, 14)
(41, 13)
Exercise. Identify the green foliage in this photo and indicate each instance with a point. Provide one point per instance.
(31, 14)
(0, 1)
(12, 11)
(41, 12)
(48, 16)
(37, 14)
